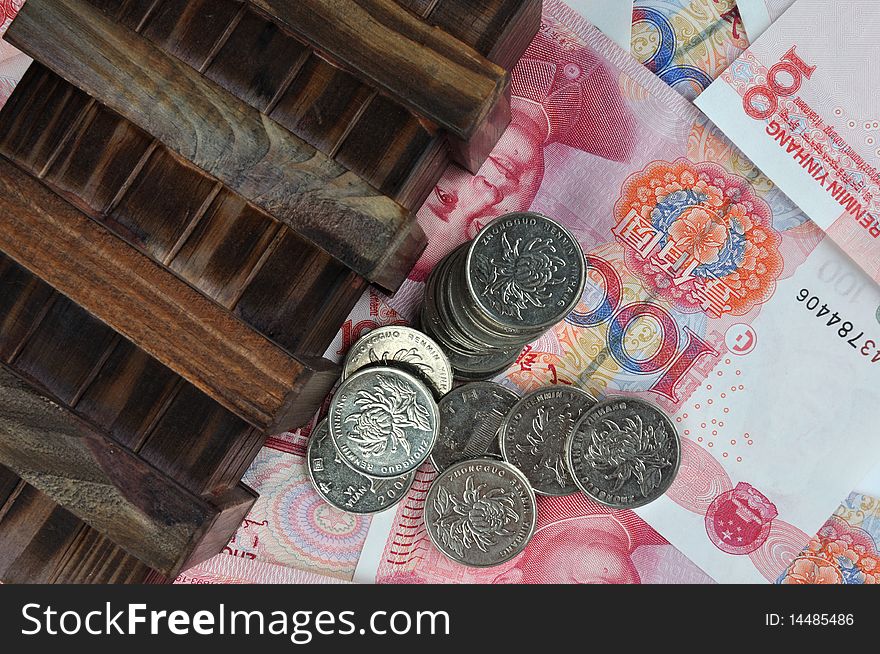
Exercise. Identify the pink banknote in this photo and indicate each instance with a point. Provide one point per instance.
(802, 103)
(758, 15)
(231, 570)
(576, 541)
(845, 551)
(687, 43)
(707, 287)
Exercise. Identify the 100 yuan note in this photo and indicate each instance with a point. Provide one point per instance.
(613, 18)
(758, 15)
(710, 294)
(802, 103)
(687, 43)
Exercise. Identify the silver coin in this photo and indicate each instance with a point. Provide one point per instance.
(534, 433)
(471, 366)
(624, 453)
(395, 345)
(480, 513)
(470, 417)
(437, 311)
(466, 314)
(345, 488)
(525, 271)
(383, 422)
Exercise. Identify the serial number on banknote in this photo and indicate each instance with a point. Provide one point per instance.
(846, 330)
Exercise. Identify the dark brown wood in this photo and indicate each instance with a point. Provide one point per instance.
(42, 542)
(500, 30)
(218, 133)
(429, 71)
(129, 395)
(187, 220)
(207, 346)
(173, 212)
(108, 487)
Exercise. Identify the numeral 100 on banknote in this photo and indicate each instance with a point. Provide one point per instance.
(669, 358)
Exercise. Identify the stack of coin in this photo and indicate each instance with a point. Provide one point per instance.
(487, 299)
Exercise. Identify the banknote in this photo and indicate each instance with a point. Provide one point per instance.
(576, 540)
(613, 18)
(13, 63)
(801, 102)
(845, 551)
(707, 289)
(8, 10)
(758, 15)
(687, 43)
(230, 570)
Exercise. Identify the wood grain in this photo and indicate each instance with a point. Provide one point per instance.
(108, 487)
(217, 132)
(167, 208)
(129, 395)
(148, 305)
(428, 71)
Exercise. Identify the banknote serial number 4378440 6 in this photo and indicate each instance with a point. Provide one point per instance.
(846, 330)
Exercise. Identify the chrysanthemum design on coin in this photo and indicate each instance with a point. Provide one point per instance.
(480, 513)
(383, 422)
(534, 433)
(624, 453)
(408, 348)
(345, 488)
(525, 271)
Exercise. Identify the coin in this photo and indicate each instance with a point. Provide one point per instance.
(383, 421)
(470, 417)
(475, 365)
(480, 513)
(344, 487)
(624, 453)
(525, 271)
(534, 432)
(395, 345)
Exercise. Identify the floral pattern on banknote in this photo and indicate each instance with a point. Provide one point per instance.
(384, 414)
(845, 549)
(687, 43)
(476, 519)
(522, 276)
(291, 525)
(700, 237)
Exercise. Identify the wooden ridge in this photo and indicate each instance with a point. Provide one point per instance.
(108, 487)
(428, 70)
(215, 131)
(148, 305)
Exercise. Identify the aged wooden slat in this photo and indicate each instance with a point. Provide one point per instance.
(138, 298)
(108, 487)
(35, 534)
(175, 213)
(209, 127)
(500, 30)
(24, 300)
(429, 71)
(126, 393)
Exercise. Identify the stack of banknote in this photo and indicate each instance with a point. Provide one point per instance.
(739, 297)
